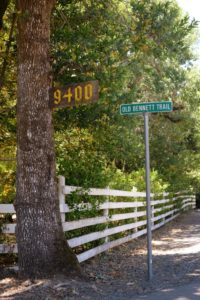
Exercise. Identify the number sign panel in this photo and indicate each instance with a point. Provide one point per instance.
(74, 94)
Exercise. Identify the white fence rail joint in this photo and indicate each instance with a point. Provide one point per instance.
(128, 225)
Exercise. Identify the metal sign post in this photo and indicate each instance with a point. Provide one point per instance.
(148, 199)
(145, 108)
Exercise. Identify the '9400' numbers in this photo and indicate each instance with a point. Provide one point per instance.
(75, 94)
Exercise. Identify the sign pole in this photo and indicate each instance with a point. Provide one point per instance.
(145, 108)
(148, 198)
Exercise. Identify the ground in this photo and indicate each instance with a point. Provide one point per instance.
(121, 273)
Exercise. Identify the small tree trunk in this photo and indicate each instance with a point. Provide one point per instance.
(42, 247)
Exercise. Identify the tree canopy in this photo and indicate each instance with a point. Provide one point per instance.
(145, 56)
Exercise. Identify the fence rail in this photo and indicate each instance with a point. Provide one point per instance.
(129, 224)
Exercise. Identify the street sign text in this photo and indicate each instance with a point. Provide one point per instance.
(147, 107)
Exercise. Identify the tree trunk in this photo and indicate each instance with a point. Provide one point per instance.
(42, 247)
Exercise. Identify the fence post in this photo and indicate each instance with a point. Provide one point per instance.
(194, 205)
(152, 213)
(135, 220)
(135, 209)
(184, 201)
(106, 214)
(164, 204)
(61, 195)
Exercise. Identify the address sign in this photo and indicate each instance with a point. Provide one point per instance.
(74, 94)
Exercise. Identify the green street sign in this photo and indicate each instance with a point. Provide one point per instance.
(147, 107)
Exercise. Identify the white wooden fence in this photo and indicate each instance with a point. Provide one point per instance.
(129, 225)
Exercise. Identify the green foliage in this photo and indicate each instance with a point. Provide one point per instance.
(136, 181)
(142, 57)
(7, 183)
(79, 161)
(158, 185)
(7, 108)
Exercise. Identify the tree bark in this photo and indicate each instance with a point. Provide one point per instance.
(42, 247)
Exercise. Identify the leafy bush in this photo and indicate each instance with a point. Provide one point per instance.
(136, 181)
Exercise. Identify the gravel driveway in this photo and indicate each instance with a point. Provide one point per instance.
(121, 273)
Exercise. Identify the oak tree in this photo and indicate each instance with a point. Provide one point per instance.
(42, 247)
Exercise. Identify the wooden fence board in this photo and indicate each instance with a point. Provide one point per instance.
(8, 248)
(102, 192)
(9, 228)
(101, 234)
(97, 250)
(7, 209)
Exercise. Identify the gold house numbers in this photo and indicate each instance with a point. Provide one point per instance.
(74, 94)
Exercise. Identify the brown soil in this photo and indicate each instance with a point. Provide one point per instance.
(121, 273)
